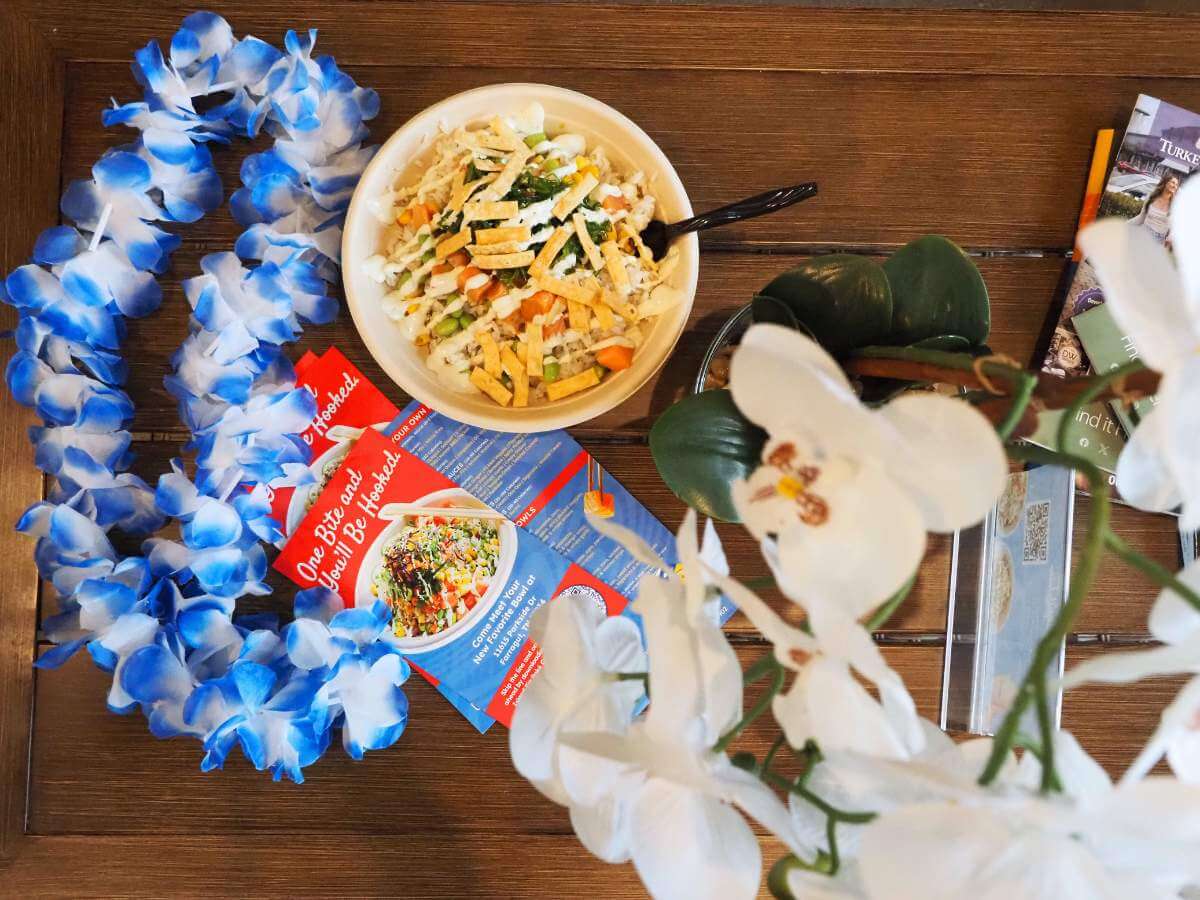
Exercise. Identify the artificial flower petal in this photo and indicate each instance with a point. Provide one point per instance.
(1142, 290)
(949, 458)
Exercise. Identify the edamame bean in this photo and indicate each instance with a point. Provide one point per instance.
(446, 327)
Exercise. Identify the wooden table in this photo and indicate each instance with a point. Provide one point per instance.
(977, 125)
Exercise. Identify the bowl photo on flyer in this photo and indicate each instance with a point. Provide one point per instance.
(323, 468)
(493, 260)
(439, 572)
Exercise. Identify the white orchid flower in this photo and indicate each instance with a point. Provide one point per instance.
(851, 491)
(584, 650)
(1177, 624)
(938, 835)
(826, 702)
(1156, 302)
(657, 794)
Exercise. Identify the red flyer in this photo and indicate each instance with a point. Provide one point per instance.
(461, 580)
(347, 403)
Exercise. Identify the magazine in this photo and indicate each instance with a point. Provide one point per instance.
(1159, 152)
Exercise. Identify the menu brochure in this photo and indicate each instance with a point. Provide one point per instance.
(516, 504)
(461, 580)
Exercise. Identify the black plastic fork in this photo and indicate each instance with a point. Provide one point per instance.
(659, 235)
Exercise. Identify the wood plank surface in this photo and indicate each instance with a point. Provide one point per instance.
(94, 772)
(695, 36)
(977, 124)
(29, 145)
(992, 162)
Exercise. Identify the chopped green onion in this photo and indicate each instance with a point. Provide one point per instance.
(465, 319)
(404, 276)
(599, 370)
(549, 372)
(534, 139)
(427, 256)
(446, 327)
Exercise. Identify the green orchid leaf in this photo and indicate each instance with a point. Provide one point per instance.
(843, 300)
(936, 290)
(776, 312)
(701, 445)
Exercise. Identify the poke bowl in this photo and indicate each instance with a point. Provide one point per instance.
(527, 305)
(439, 574)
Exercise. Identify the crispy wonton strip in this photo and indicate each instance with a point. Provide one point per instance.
(491, 209)
(453, 244)
(627, 310)
(571, 290)
(487, 164)
(549, 250)
(500, 235)
(504, 260)
(579, 316)
(508, 175)
(491, 354)
(516, 371)
(463, 190)
(490, 386)
(604, 315)
(494, 249)
(643, 251)
(533, 349)
(508, 139)
(572, 198)
(615, 266)
(556, 390)
(585, 241)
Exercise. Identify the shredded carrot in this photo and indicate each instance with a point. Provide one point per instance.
(613, 203)
(420, 215)
(557, 327)
(466, 275)
(615, 358)
(477, 294)
(537, 304)
(494, 290)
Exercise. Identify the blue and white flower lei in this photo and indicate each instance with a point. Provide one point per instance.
(164, 623)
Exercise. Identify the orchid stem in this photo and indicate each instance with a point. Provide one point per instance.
(1022, 394)
(760, 667)
(1034, 684)
(1151, 569)
(774, 749)
(832, 812)
(760, 583)
(760, 707)
(833, 815)
(885, 612)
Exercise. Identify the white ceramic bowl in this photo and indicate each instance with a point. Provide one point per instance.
(627, 146)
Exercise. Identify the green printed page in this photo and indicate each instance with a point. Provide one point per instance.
(1096, 435)
(1109, 348)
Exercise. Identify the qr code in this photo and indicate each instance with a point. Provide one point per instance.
(1037, 527)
